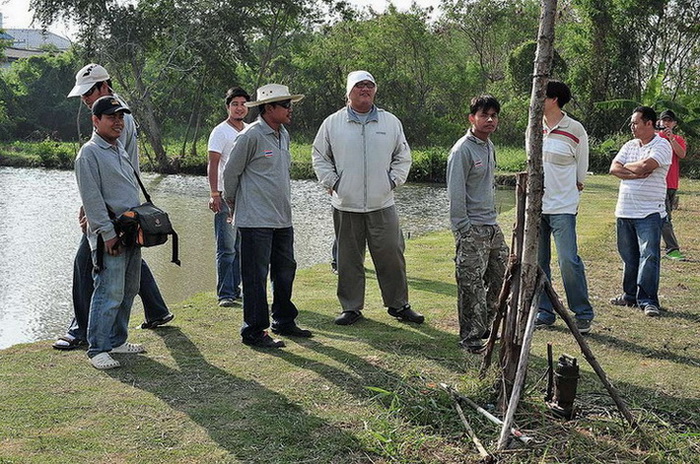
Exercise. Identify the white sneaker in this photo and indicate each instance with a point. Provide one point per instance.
(104, 361)
(129, 348)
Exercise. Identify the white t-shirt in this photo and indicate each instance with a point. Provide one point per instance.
(221, 141)
(638, 198)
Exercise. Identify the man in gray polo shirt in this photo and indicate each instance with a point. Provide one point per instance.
(481, 249)
(257, 189)
(108, 186)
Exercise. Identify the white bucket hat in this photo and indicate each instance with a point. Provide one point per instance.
(355, 77)
(87, 77)
(272, 93)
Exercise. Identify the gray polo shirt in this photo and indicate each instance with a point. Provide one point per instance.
(470, 183)
(256, 177)
(105, 177)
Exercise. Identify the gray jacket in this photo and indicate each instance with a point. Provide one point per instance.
(470, 183)
(361, 162)
(105, 177)
(256, 177)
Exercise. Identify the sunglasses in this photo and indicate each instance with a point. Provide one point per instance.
(91, 91)
(365, 85)
(285, 104)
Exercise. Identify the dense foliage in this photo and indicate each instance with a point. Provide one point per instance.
(174, 60)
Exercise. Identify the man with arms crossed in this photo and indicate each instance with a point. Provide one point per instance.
(565, 162)
(360, 155)
(641, 165)
(481, 251)
(258, 191)
(228, 265)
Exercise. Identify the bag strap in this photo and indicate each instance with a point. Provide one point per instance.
(143, 189)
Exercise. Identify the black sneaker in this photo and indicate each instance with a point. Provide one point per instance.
(265, 341)
(583, 325)
(475, 346)
(292, 331)
(405, 313)
(348, 317)
(622, 301)
(158, 322)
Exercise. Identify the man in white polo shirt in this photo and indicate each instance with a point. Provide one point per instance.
(642, 165)
(565, 162)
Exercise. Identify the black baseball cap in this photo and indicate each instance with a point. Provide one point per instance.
(668, 114)
(108, 105)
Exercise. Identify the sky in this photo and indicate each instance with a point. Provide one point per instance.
(16, 14)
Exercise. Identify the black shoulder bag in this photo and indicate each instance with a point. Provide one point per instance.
(145, 225)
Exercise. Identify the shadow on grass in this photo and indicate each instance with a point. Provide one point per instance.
(423, 285)
(249, 421)
(635, 348)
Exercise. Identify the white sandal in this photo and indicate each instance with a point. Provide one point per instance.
(129, 348)
(104, 361)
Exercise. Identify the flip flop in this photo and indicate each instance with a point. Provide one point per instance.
(158, 322)
(67, 343)
(129, 348)
(104, 361)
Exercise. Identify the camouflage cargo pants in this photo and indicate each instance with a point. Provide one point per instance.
(480, 261)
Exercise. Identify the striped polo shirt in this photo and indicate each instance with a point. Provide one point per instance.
(565, 162)
(638, 198)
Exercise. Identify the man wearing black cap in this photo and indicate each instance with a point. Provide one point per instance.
(667, 125)
(91, 83)
(108, 187)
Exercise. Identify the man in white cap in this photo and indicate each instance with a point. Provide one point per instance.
(360, 155)
(108, 186)
(257, 189)
(91, 83)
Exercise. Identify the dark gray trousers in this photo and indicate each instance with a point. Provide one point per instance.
(380, 231)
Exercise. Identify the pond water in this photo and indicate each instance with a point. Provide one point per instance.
(39, 235)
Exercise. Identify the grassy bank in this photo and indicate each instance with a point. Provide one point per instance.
(368, 393)
(429, 164)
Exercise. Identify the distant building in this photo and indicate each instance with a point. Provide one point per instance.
(23, 43)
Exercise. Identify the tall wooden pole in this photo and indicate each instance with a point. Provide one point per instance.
(535, 183)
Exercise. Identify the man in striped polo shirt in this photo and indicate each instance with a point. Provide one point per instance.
(565, 162)
(642, 165)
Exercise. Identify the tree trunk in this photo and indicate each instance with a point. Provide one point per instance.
(147, 117)
(535, 181)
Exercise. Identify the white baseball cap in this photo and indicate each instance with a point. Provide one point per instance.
(87, 77)
(355, 77)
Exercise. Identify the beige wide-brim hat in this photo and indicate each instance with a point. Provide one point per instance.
(272, 93)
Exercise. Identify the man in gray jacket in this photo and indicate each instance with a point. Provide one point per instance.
(360, 155)
(481, 249)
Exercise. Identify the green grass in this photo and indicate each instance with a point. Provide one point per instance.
(368, 393)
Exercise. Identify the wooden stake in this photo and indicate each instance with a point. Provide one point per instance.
(522, 366)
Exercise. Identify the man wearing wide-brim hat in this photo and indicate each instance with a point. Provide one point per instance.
(258, 191)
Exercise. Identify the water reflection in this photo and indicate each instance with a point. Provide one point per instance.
(39, 235)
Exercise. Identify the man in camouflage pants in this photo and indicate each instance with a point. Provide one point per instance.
(481, 251)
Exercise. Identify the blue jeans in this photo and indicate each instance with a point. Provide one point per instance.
(639, 245)
(228, 266)
(116, 285)
(263, 249)
(573, 273)
(153, 304)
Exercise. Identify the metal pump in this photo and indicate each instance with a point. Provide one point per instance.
(564, 380)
